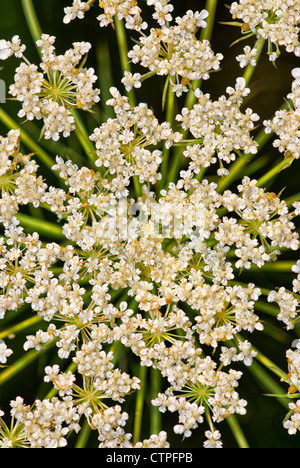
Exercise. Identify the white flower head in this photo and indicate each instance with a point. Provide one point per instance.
(77, 10)
(7, 48)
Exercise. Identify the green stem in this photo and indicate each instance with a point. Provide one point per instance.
(32, 20)
(126, 66)
(237, 432)
(105, 78)
(83, 137)
(139, 409)
(20, 327)
(267, 308)
(251, 69)
(84, 435)
(27, 140)
(265, 361)
(233, 175)
(22, 363)
(211, 7)
(42, 227)
(155, 417)
(166, 151)
(123, 51)
(276, 267)
(177, 161)
(274, 172)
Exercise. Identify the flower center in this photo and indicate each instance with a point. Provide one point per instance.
(60, 89)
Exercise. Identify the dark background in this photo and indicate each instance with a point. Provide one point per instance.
(263, 423)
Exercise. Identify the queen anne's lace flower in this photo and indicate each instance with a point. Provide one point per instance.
(51, 94)
(152, 280)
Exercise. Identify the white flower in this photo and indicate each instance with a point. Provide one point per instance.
(5, 50)
(4, 352)
(131, 81)
(213, 440)
(247, 354)
(248, 57)
(179, 89)
(273, 57)
(77, 10)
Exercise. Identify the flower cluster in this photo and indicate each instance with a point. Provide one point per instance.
(122, 143)
(273, 20)
(123, 9)
(285, 124)
(175, 51)
(288, 301)
(46, 425)
(289, 305)
(62, 84)
(292, 420)
(196, 274)
(204, 387)
(222, 128)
